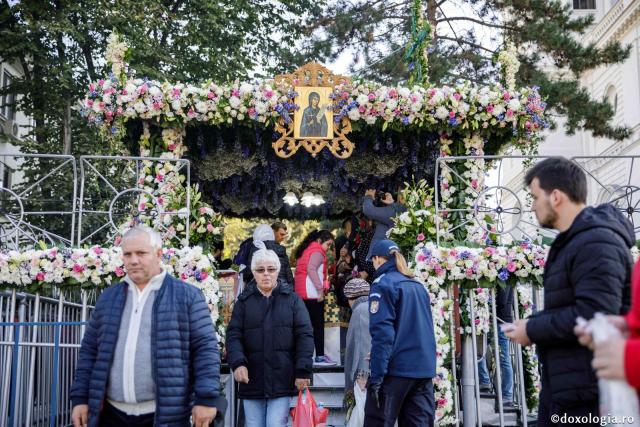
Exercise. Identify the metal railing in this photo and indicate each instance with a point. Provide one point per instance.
(39, 343)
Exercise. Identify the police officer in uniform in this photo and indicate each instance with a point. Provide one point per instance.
(403, 347)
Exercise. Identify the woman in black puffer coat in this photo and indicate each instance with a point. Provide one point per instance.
(269, 344)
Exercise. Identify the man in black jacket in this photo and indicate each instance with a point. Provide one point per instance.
(588, 270)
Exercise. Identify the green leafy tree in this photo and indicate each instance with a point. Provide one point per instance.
(464, 44)
(61, 47)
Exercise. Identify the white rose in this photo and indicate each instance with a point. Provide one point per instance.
(234, 102)
(354, 114)
(362, 99)
(371, 120)
(392, 104)
(442, 113)
(140, 107)
(201, 107)
(261, 108)
(404, 92)
(484, 99)
(176, 105)
(514, 104)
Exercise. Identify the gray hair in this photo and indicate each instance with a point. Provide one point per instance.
(264, 255)
(154, 237)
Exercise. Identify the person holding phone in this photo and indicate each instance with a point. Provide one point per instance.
(588, 270)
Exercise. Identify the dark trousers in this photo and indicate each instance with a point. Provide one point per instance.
(113, 417)
(408, 400)
(546, 410)
(316, 313)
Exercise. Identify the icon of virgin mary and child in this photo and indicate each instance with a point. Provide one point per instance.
(314, 120)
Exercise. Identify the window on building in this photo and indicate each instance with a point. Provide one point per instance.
(584, 4)
(612, 97)
(8, 100)
(5, 175)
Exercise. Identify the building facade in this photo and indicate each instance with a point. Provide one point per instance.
(612, 176)
(14, 124)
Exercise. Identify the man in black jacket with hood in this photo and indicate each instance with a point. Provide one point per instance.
(588, 270)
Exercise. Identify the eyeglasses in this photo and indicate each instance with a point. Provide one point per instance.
(269, 270)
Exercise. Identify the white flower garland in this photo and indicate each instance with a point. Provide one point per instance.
(508, 59)
(99, 267)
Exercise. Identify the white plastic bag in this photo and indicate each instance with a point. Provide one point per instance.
(617, 398)
(357, 414)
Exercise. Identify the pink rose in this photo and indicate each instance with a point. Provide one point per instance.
(98, 250)
(211, 95)
(457, 96)
(101, 82)
(268, 94)
(490, 109)
(40, 276)
(427, 203)
(511, 267)
(420, 237)
(372, 96)
(159, 177)
(506, 96)
(236, 93)
(203, 275)
(142, 207)
(175, 93)
(452, 114)
(119, 271)
(77, 268)
(474, 183)
(210, 228)
(171, 147)
(393, 93)
(509, 112)
(202, 211)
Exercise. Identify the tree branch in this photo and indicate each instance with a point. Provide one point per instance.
(477, 21)
(467, 42)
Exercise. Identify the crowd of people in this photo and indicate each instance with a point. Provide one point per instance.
(149, 355)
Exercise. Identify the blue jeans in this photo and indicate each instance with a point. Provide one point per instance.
(266, 412)
(505, 369)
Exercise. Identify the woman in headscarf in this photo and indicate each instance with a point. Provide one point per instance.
(314, 121)
(264, 238)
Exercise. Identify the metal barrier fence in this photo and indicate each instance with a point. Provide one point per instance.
(39, 347)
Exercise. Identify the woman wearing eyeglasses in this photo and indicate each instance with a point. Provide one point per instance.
(269, 344)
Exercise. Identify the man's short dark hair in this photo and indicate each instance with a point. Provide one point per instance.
(558, 173)
(278, 225)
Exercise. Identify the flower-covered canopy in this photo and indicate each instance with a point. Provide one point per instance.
(229, 130)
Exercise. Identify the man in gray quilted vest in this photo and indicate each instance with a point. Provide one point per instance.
(149, 356)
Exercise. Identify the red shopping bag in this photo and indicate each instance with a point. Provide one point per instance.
(306, 413)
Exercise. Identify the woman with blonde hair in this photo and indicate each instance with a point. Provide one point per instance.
(403, 346)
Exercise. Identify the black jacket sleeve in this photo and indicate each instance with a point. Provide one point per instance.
(598, 286)
(235, 334)
(303, 335)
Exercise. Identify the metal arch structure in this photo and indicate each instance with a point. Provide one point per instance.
(615, 178)
(121, 177)
(26, 218)
(507, 205)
